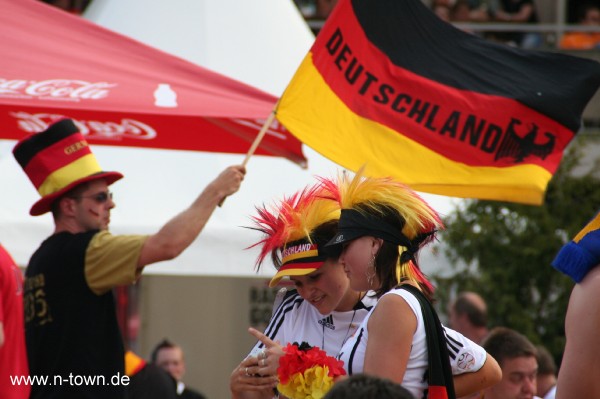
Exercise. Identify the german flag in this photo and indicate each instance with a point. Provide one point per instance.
(390, 85)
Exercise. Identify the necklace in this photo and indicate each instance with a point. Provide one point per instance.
(350, 325)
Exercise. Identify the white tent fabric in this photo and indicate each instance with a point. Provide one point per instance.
(260, 42)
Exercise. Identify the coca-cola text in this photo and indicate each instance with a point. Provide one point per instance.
(99, 130)
(66, 89)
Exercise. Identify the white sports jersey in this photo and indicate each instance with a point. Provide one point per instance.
(296, 320)
(465, 355)
(551, 394)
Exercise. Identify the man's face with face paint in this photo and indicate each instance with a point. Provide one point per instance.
(93, 205)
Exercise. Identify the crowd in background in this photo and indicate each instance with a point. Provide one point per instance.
(73, 6)
(515, 353)
(585, 13)
(520, 12)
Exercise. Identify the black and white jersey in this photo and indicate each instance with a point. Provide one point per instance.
(296, 320)
(465, 355)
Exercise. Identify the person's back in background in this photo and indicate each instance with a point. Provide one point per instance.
(467, 314)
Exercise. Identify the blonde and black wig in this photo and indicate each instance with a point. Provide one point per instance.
(386, 209)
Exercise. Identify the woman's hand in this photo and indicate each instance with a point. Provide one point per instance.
(246, 382)
(268, 358)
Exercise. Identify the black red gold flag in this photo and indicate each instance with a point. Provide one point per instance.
(390, 85)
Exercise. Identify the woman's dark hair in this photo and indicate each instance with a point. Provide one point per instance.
(387, 259)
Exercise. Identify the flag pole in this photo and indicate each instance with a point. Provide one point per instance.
(259, 137)
(256, 142)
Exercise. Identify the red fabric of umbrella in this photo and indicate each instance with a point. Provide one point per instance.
(122, 92)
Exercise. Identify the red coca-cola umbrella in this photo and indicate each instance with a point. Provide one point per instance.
(122, 92)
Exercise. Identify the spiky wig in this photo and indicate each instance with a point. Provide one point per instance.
(367, 203)
(289, 232)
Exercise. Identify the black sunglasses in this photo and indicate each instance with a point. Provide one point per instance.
(100, 198)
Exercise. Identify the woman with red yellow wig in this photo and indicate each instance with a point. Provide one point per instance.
(322, 311)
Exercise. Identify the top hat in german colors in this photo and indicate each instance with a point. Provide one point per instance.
(56, 161)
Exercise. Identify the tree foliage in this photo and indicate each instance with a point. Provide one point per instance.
(504, 252)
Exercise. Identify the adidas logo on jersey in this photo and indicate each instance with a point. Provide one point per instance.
(327, 322)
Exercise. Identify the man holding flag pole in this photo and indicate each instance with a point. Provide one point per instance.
(70, 321)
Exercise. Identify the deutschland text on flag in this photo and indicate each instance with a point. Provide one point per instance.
(390, 85)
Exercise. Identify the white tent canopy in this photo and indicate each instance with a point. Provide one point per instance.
(260, 42)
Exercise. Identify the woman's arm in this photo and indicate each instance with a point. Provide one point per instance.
(391, 329)
(581, 360)
(470, 382)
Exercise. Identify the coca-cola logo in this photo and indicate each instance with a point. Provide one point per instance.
(99, 130)
(59, 89)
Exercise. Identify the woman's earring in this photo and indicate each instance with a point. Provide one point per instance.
(371, 276)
